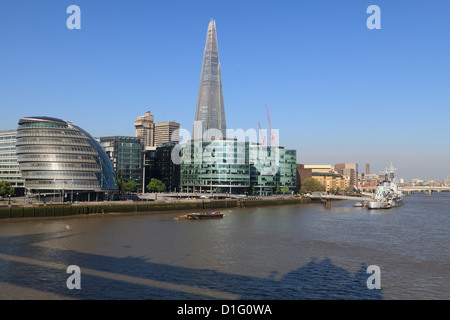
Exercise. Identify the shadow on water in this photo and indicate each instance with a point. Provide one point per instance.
(26, 265)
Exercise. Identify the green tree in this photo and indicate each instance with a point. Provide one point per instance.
(349, 190)
(251, 189)
(311, 185)
(277, 188)
(332, 191)
(130, 186)
(156, 185)
(285, 190)
(6, 190)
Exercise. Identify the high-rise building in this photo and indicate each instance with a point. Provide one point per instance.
(349, 170)
(154, 134)
(166, 132)
(210, 111)
(145, 129)
(367, 168)
(9, 167)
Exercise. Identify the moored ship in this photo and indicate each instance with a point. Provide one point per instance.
(387, 195)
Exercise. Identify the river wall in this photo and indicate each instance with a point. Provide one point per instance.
(52, 210)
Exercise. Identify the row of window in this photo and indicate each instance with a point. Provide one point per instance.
(59, 166)
(49, 133)
(51, 141)
(215, 183)
(54, 158)
(58, 175)
(54, 149)
(62, 184)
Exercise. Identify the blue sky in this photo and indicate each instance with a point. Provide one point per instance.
(337, 91)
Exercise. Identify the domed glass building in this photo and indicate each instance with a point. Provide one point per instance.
(54, 154)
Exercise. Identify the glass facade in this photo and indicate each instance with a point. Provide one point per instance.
(166, 170)
(210, 112)
(125, 154)
(9, 167)
(215, 166)
(56, 154)
(272, 168)
(230, 166)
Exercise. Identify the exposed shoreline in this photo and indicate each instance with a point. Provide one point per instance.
(128, 207)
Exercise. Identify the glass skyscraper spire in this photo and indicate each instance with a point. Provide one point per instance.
(210, 112)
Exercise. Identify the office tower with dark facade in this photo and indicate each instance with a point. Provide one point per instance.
(125, 154)
(210, 111)
(166, 170)
(55, 156)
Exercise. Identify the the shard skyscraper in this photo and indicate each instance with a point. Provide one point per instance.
(210, 112)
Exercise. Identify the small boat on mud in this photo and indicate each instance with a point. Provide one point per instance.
(203, 215)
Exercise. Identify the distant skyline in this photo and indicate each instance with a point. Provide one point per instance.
(337, 91)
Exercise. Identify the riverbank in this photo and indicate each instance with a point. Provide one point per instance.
(57, 210)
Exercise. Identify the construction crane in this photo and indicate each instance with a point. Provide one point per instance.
(262, 137)
(272, 138)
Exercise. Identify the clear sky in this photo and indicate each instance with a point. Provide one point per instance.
(337, 91)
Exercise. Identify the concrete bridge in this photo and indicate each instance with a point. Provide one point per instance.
(424, 189)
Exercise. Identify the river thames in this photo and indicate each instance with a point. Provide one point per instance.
(293, 252)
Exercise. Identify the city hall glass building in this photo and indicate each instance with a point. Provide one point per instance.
(54, 154)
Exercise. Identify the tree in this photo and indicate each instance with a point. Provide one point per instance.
(332, 191)
(6, 190)
(349, 190)
(311, 185)
(156, 185)
(251, 189)
(285, 190)
(277, 188)
(130, 186)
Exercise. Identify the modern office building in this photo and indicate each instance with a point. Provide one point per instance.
(166, 170)
(154, 134)
(158, 164)
(125, 154)
(149, 167)
(272, 168)
(55, 155)
(231, 166)
(210, 111)
(349, 170)
(215, 166)
(9, 167)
